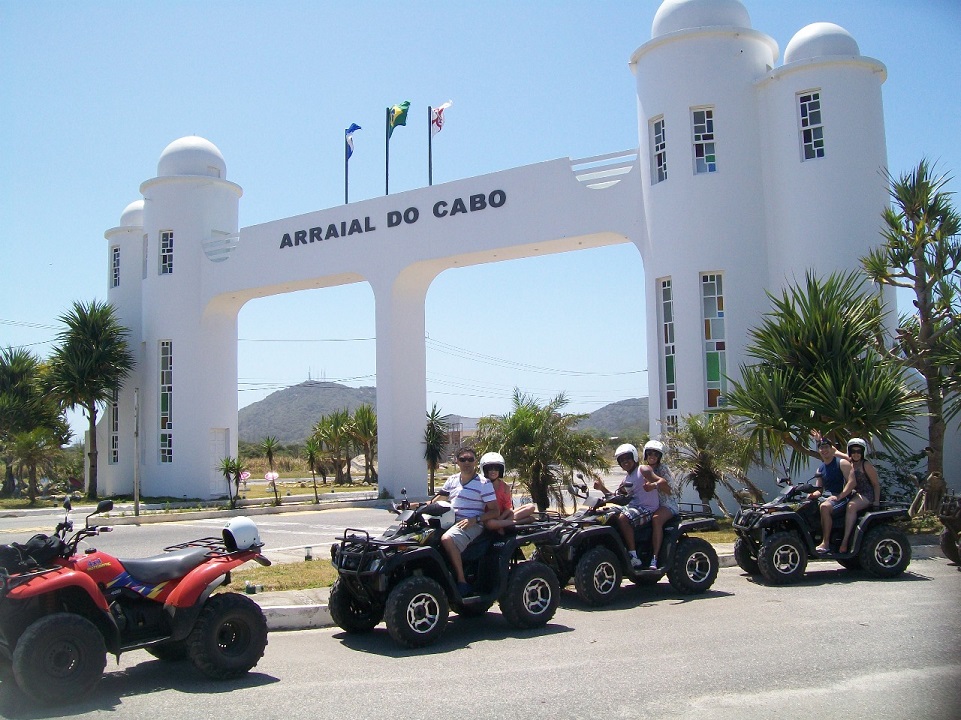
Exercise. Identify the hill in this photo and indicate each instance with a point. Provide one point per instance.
(624, 417)
(289, 414)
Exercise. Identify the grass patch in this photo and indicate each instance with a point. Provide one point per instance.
(285, 576)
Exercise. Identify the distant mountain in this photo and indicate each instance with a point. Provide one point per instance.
(289, 414)
(624, 417)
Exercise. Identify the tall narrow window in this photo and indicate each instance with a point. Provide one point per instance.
(658, 151)
(812, 129)
(114, 267)
(705, 158)
(715, 364)
(145, 244)
(668, 353)
(166, 252)
(166, 401)
(115, 428)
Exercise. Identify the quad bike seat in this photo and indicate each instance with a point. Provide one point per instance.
(167, 566)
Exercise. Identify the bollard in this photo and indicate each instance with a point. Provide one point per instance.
(308, 554)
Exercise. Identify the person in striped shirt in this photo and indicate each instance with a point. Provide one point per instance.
(473, 501)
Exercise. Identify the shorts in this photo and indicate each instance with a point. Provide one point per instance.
(638, 516)
(836, 505)
(463, 537)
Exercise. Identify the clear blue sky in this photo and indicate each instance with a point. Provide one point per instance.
(92, 92)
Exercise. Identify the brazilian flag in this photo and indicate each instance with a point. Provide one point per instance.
(397, 115)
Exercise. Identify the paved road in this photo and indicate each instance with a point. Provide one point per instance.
(286, 535)
(834, 646)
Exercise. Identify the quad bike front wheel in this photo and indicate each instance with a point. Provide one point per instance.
(743, 557)
(782, 558)
(417, 611)
(532, 595)
(59, 657)
(352, 614)
(886, 551)
(598, 576)
(950, 546)
(695, 566)
(229, 636)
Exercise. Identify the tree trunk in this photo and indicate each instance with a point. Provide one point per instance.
(92, 455)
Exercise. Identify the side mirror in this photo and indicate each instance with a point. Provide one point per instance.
(104, 506)
(67, 505)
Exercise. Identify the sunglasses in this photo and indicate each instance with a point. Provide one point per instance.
(465, 460)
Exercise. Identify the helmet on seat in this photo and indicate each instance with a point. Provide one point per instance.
(626, 449)
(240, 533)
(857, 442)
(655, 445)
(492, 460)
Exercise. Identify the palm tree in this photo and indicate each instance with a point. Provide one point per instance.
(539, 442)
(364, 432)
(435, 441)
(818, 370)
(269, 445)
(37, 448)
(89, 363)
(227, 468)
(312, 455)
(707, 450)
(21, 404)
(922, 253)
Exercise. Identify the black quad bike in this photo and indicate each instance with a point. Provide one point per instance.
(588, 547)
(778, 538)
(404, 579)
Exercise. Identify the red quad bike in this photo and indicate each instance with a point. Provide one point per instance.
(62, 610)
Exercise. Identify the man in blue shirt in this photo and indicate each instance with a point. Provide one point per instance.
(835, 480)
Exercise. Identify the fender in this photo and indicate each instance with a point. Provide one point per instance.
(57, 580)
(197, 580)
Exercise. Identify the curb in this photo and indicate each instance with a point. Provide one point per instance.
(246, 511)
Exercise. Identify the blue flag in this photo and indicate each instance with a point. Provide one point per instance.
(349, 137)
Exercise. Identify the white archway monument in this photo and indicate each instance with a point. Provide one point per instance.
(400, 243)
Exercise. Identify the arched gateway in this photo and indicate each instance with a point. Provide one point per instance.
(746, 175)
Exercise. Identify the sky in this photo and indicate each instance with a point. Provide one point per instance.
(91, 93)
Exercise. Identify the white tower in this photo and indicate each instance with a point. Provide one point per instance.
(188, 415)
(752, 175)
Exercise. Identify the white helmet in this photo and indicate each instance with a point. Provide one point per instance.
(624, 450)
(655, 445)
(492, 459)
(240, 533)
(857, 442)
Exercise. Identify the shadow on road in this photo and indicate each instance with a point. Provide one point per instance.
(147, 677)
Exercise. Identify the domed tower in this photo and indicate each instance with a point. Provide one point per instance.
(702, 173)
(188, 361)
(825, 156)
(124, 292)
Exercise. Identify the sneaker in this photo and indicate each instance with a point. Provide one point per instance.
(653, 565)
(637, 563)
(464, 589)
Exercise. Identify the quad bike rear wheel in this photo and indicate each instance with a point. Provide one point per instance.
(229, 636)
(417, 611)
(532, 595)
(695, 566)
(352, 614)
(59, 657)
(598, 576)
(886, 551)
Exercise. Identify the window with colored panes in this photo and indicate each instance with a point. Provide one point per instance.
(715, 367)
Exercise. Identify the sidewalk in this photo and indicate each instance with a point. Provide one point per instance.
(308, 609)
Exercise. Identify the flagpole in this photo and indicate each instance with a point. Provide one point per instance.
(346, 172)
(430, 147)
(387, 163)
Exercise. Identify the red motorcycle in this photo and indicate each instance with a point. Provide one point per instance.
(62, 610)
